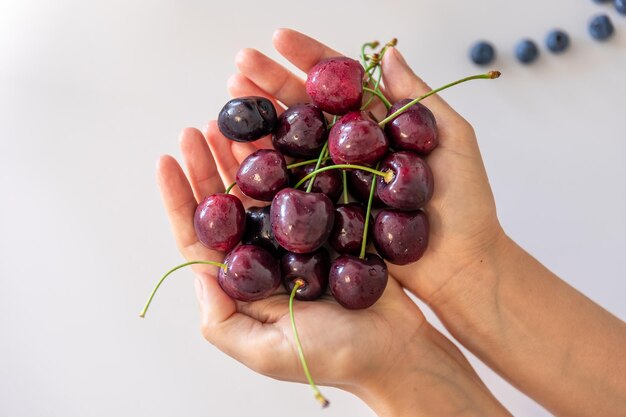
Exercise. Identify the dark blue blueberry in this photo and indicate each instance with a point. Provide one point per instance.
(601, 27)
(557, 41)
(482, 53)
(620, 6)
(526, 51)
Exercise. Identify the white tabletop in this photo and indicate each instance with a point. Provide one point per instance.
(92, 92)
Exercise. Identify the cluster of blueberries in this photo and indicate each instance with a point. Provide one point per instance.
(600, 28)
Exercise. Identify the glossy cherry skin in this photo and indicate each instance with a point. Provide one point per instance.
(262, 174)
(401, 237)
(347, 233)
(357, 139)
(252, 273)
(327, 182)
(220, 221)
(414, 130)
(357, 283)
(259, 230)
(335, 85)
(360, 185)
(301, 131)
(412, 185)
(312, 268)
(246, 119)
(301, 222)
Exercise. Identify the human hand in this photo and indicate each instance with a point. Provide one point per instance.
(387, 354)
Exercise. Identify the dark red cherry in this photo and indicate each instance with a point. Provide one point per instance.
(301, 222)
(262, 174)
(412, 185)
(347, 233)
(360, 185)
(335, 85)
(252, 273)
(259, 230)
(357, 283)
(312, 268)
(414, 130)
(401, 237)
(327, 182)
(219, 221)
(301, 131)
(357, 139)
(246, 119)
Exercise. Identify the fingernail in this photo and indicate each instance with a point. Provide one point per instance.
(200, 294)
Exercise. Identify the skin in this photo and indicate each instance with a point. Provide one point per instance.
(547, 339)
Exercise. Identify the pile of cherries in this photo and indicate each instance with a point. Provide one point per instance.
(331, 164)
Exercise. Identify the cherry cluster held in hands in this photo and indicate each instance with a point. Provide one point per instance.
(313, 236)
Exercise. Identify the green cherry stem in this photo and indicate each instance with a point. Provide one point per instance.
(367, 215)
(309, 162)
(488, 76)
(371, 45)
(290, 166)
(378, 94)
(145, 308)
(317, 166)
(230, 187)
(318, 395)
(387, 175)
(345, 187)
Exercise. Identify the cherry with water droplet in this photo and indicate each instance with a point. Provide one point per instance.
(262, 174)
(246, 119)
(335, 85)
(301, 131)
(219, 221)
(311, 268)
(412, 184)
(401, 237)
(357, 283)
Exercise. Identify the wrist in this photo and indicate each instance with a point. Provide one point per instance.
(431, 377)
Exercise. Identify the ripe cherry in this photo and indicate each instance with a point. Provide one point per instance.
(246, 119)
(219, 221)
(335, 85)
(262, 174)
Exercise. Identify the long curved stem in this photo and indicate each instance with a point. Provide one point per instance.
(488, 76)
(309, 162)
(387, 175)
(378, 94)
(317, 165)
(145, 308)
(345, 186)
(230, 187)
(367, 215)
(318, 394)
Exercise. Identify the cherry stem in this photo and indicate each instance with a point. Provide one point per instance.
(367, 215)
(309, 162)
(387, 175)
(145, 308)
(371, 45)
(317, 165)
(378, 94)
(488, 76)
(345, 187)
(230, 187)
(318, 395)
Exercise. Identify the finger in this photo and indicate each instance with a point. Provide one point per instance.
(227, 165)
(201, 169)
(401, 82)
(271, 77)
(302, 51)
(236, 334)
(239, 85)
(180, 203)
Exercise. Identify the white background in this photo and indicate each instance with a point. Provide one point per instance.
(92, 92)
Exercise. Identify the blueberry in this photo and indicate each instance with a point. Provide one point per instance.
(620, 6)
(526, 51)
(601, 27)
(482, 53)
(557, 41)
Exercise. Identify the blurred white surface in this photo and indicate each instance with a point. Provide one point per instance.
(92, 92)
